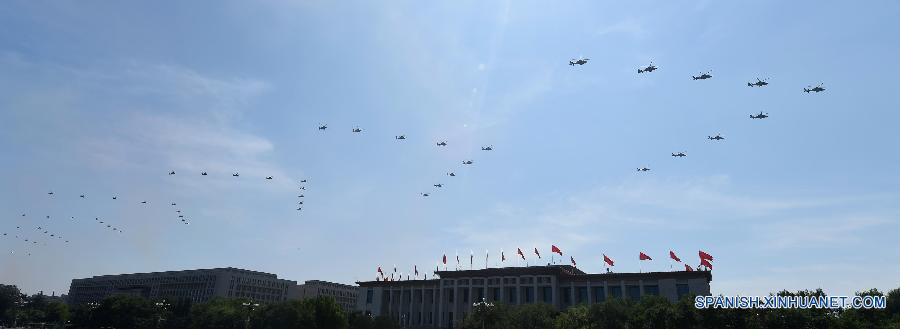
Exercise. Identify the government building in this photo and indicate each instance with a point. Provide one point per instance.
(196, 285)
(344, 295)
(444, 302)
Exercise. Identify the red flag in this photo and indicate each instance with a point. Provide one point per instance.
(457, 259)
(573, 260)
(688, 268)
(644, 256)
(521, 254)
(705, 256)
(379, 270)
(706, 263)
(608, 260)
(416, 269)
(553, 248)
(536, 252)
(502, 256)
(672, 256)
(445, 259)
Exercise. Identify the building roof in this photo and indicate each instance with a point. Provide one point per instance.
(181, 272)
(564, 272)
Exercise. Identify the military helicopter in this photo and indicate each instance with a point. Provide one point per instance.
(438, 185)
(758, 83)
(400, 137)
(451, 174)
(759, 116)
(442, 143)
(814, 89)
(717, 137)
(172, 172)
(50, 193)
(579, 61)
(81, 196)
(269, 177)
(236, 175)
(357, 130)
(487, 148)
(303, 181)
(300, 196)
(643, 169)
(115, 197)
(703, 76)
(679, 155)
(648, 69)
(468, 162)
(203, 174)
(323, 127)
(424, 194)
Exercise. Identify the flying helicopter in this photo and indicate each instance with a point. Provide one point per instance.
(323, 127)
(815, 89)
(487, 148)
(468, 162)
(424, 194)
(269, 177)
(579, 61)
(758, 83)
(357, 130)
(235, 175)
(702, 76)
(442, 143)
(717, 137)
(643, 169)
(451, 174)
(679, 155)
(172, 172)
(203, 174)
(438, 185)
(761, 115)
(400, 137)
(648, 69)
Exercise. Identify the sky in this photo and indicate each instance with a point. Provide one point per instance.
(105, 98)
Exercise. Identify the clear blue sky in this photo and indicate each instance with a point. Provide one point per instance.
(104, 98)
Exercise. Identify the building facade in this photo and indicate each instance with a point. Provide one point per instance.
(344, 295)
(444, 302)
(197, 285)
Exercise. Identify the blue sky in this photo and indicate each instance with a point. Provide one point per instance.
(105, 98)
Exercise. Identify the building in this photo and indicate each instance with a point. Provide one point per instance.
(440, 303)
(197, 285)
(344, 295)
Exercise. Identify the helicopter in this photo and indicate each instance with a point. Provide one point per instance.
(580, 61)
(438, 185)
(702, 76)
(400, 137)
(468, 162)
(323, 127)
(717, 137)
(357, 130)
(487, 148)
(814, 89)
(759, 116)
(442, 143)
(679, 155)
(643, 169)
(648, 69)
(758, 83)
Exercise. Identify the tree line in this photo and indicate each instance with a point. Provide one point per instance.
(124, 311)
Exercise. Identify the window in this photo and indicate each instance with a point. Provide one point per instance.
(652, 290)
(479, 294)
(682, 290)
(615, 291)
(450, 295)
(529, 295)
(581, 295)
(511, 295)
(634, 292)
(566, 294)
(599, 295)
(496, 294)
(547, 294)
(369, 294)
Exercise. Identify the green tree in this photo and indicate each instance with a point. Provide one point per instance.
(220, 314)
(577, 317)
(614, 313)
(11, 299)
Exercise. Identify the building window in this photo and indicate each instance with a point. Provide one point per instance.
(581, 295)
(497, 293)
(479, 294)
(529, 295)
(682, 290)
(566, 295)
(634, 292)
(615, 291)
(369, 295)
(599, 295)
(652, 290)
(547, 294)
(511, 295)
(450, 295)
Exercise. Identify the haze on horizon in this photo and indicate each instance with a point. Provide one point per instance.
(104, 99)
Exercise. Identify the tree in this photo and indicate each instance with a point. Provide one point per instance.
(11, 298)
(614, 313)
(577, 317)
(219, 314)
